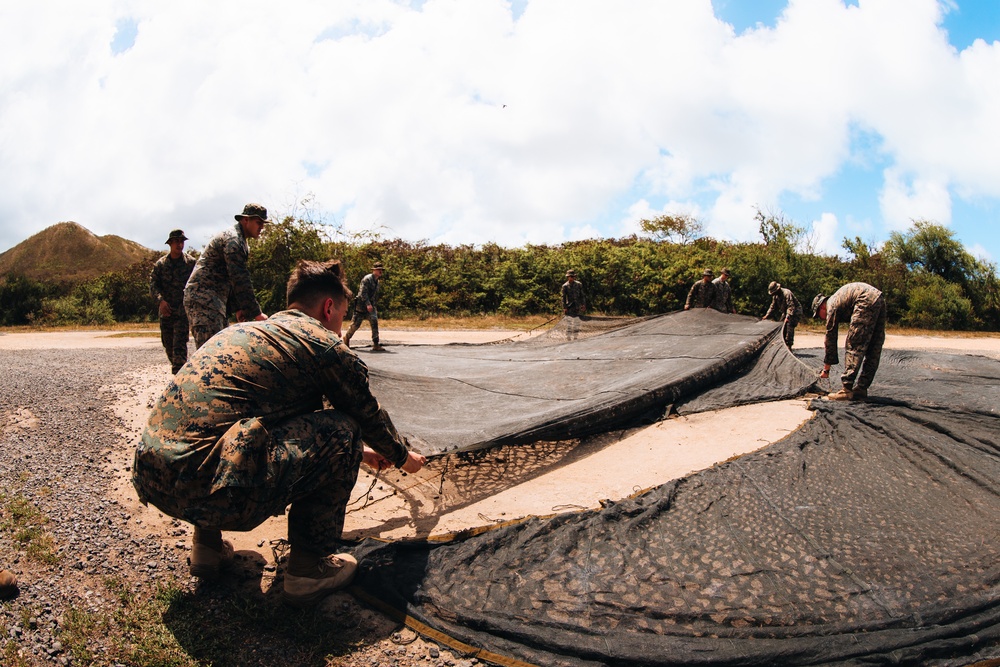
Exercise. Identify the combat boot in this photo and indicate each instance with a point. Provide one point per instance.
(307, 585)
(860, 394)
(845, 394)
(207, 561)
(8, 585)
(377, 348)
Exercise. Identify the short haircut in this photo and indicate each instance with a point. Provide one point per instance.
(311, 282)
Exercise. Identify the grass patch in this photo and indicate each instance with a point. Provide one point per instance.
(174, 627)
(26, 524)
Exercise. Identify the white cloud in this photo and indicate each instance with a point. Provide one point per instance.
(459, 121)
(824, 235)
(904, 200)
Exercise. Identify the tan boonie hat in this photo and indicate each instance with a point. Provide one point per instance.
(378, 265)
(773, 287)
(253, 211)
(707, 272)
(571, 272)
(176, 235)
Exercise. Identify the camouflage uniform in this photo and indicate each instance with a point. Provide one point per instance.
(574, 305)
(368, 294)
(723, 301)
(166, 283)
(221, 272)
(784, 306)
(863, 307)
(573, 300)
(241, 432)
(701, 295)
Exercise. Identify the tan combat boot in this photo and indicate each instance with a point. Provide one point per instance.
(306, 584)
(845, 394)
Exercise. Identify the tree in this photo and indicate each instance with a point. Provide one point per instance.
(932, 248)
(680, 227)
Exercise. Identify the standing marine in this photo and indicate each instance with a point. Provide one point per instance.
(723, 301)
(702, 293)
(574, 303)
(862, 307)
(221, 273)
(366, 306)
(784, 307)
(166, 285)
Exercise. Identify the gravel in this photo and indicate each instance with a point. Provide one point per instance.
(66, 461)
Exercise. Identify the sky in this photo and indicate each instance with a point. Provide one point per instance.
(524, 121)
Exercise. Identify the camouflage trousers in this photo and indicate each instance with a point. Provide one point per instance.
(573, 323)
(174, 336)
(865, 337)
(206, 325)
(360, 315)
(788, 332)
(312, 465)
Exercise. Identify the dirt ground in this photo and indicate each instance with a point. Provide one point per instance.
(459, 492)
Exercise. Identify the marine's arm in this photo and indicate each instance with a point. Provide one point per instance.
(236, 255)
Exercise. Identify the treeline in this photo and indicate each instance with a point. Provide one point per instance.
(929, 279)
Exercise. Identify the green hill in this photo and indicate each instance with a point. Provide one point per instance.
(68, 251)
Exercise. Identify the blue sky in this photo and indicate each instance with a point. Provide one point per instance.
(533, 121)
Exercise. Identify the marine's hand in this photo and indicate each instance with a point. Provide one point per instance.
(165, 310)
(414, 462)
(374, 460)
(370, 308)
(260, 317)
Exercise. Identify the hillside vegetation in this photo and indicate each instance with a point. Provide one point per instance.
(67, 252)
(929, 279)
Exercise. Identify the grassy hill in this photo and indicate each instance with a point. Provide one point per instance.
(68, 251)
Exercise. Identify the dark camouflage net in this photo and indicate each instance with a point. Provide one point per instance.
(869, 536)
(447, 398)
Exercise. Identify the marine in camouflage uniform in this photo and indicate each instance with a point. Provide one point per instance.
(723, 301)
(220, 273)
(366, 305)
(863, 308)
(166, 285)
(784, 307)
(702, 293)
(574, 303)
(241, 432)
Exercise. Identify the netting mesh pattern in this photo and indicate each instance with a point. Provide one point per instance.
(448, 398)
(869, 536)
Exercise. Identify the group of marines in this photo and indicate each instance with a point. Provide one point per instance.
(276, 412)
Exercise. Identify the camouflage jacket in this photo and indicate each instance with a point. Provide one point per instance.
(852, 302)
(222, 271)
(701, 295)
(167, 280)
(369, 292)
(573, 301)
(209, 429)
(723, 301)
(784, 306)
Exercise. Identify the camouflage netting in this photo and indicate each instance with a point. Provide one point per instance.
(448, 398)
(868, 536)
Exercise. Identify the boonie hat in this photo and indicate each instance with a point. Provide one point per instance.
(571, 272)
(253, 211)
(707, 272)
(176, 235)
(724, 272)
(377, 265)
(773, 287)
(817, 302)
